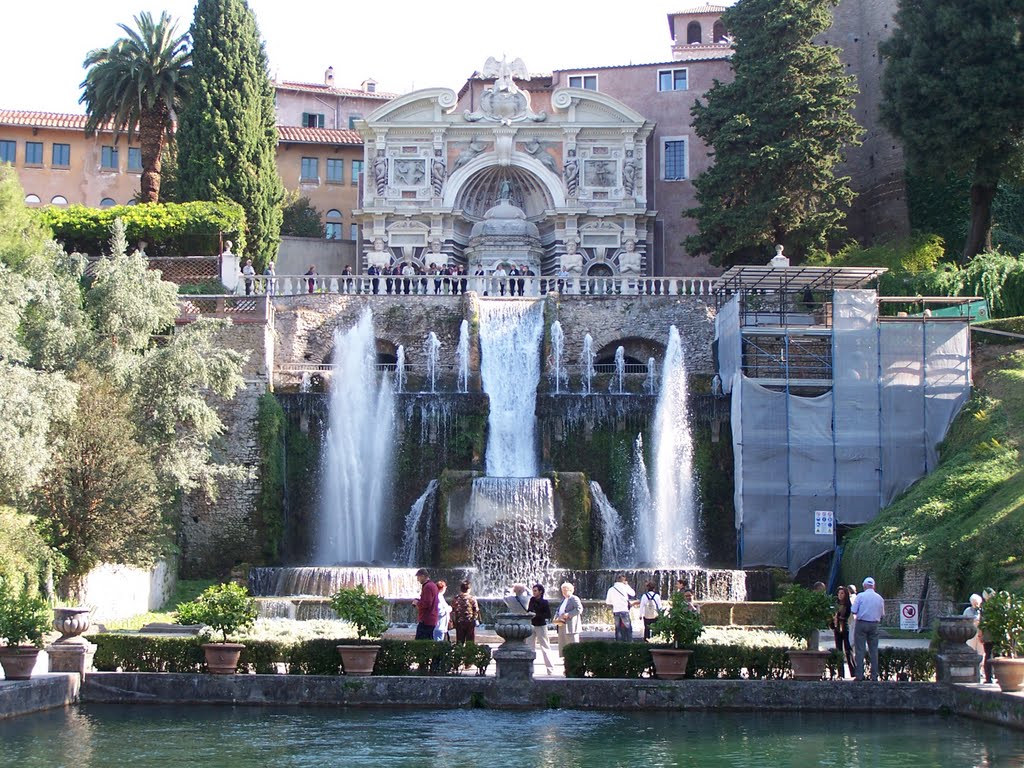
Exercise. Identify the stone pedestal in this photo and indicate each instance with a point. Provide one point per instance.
(956, 661)
(514, 658)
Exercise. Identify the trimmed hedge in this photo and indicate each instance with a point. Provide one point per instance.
(149, 653)
(601, 658)
(169, 229)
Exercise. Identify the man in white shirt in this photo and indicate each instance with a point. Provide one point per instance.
(869, 608)
(619, 598)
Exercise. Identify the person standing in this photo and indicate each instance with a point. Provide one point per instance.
(869, 609)
(541, 610)
(249, 275)
(569, 618)
(619, 597)
(270, 279)
(650, 607)
(444, 612)
(986, 643)
(311, 277)
(426, 606)
(465, 615)
(840, 624)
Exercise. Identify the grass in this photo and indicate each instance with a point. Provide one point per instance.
(964, 523)
(184, 590)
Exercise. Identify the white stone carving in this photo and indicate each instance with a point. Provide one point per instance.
(504, 102)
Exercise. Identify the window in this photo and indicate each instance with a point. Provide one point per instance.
(61, 156)
(33, 153)
(31, 199)
(134, 159)
(353, 232)
(8, 151)
(718, 32)
(333, 229)
(671, 79)
(352, 121)
(59, 200)
(312, 120)
(335, 171)
(693, 34)
(108, 158)
(673, 158)
(357, 169)
(589, 82)
(310, 169)
(107, 202)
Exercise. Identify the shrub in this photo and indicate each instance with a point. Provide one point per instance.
(367, 612)
(802, 612)
(1002, 622)
(226, 608)
(680, 625)
(24, 618)
(169, 229)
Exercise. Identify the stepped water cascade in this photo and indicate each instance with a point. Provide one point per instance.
(557, 350)
(587, 363)
(416, 537)
(462, 356)
(357, 452)
(431, 351)
(614, 548)
(510, 336)
(674, 513)
(620, 369)
(400, 369)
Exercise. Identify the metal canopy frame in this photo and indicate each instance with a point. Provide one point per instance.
(792, 279)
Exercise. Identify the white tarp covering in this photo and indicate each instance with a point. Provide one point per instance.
(896, 388)
(729, 344)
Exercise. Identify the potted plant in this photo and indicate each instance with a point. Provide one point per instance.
(681, 626)
(1002, 623)
(802, 613)
(368, 613)
(23, 621)
(225, 608)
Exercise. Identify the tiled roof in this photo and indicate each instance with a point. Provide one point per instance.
(710, 56)
(334, 91)
(696, 10)
(41, 119)
(301, 135)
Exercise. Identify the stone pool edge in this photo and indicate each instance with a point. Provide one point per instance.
(22, 697)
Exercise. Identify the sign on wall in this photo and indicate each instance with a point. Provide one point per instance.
(909, 618)
(824, 522)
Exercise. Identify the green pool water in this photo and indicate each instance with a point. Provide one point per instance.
(110, 736)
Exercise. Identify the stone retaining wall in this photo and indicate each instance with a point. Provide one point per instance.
(20, 697)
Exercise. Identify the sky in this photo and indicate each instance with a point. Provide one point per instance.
(402, 44)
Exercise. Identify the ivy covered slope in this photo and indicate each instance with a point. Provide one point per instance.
(964, 523)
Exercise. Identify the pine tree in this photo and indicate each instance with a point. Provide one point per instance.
(777, 131)
(228, 134)
(954, 92)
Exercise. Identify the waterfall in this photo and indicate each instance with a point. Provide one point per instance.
(587, 363)
(400, 369)
(557, 348)
(673, 488)
(512, 521)
(651, 384)
(462, 355)
(620, 367)
(510, 336)
(613, 547)
(431, 351)
(416, 537)
(305, 383)
(357, 452)
(640, 499)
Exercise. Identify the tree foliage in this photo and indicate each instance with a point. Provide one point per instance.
(954, 93)
(138, 84)
(300, 217)
(227, 138)
(777, 132)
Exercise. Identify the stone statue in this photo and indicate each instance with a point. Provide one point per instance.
(504, 102)
(378, 257)
(629, 171)
(571, 174)
(536, 150)
(505, 190)
(438, 173)
(629, 259)
(475, 148)
(571, 261)
(380, 173)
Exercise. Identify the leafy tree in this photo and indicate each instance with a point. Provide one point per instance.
(22, 236)
(777, 131)
(954, 92)
(25, 559)
(139, 83)
(300, 217)
(227, 138)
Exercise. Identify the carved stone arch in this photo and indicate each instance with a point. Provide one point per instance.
(548, 183)
(636, 350)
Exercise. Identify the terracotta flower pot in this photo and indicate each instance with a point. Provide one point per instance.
(670, 663)
(807, 665)
(222, 658)
(358, 660)
(18, 661)
(1009, 674)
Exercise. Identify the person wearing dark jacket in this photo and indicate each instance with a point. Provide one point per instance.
(541, 610)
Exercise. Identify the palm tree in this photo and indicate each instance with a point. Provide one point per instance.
(138, 84)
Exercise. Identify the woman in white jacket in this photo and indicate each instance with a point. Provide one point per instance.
(568, 618)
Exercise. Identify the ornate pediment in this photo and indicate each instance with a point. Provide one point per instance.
(504, 102)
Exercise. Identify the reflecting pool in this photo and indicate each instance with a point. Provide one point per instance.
(238, 737)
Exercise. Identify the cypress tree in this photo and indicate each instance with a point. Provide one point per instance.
(777, 131)
(228, 133)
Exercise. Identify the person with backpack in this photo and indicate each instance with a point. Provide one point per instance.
(650, 607)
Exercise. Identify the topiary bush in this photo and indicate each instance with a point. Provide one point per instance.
(367, 612)
(226, 608)
(802, 612)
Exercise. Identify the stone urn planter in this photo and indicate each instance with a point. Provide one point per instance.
(670, 663)
(513, 658)
(71, 622)
(222, 658)
(807, 665)
(71, 652)
(1009, 674)
(18, 661)
(956, 661)
(358, 660)
(955, 631)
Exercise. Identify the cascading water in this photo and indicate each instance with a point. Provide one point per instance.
(614, 549)
(674, 514)
(462, 355)
(587, 363)
(416, 537)
(357, 451)
(557, 350)
(400, 369)
(620, 368)
(510, 335)
(640, 499)
(651, 384)
(432, 351)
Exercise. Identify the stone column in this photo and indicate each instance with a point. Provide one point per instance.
(957, 662)
(514, 658)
